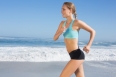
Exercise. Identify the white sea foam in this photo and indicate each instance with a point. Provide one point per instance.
(40, 54)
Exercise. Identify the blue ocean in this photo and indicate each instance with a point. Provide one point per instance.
(46, 49)
(46, 42)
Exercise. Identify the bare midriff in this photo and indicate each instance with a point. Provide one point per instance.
(71, 44)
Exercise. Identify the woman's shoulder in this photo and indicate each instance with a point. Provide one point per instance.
(78, 21)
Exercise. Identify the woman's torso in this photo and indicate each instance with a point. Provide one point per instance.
(71, 44)
(71, 40)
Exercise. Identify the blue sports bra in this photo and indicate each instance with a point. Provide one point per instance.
(69, 32)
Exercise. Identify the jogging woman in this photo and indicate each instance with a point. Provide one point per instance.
(70, 30)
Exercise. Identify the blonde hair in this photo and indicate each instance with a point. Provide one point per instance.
(70, 5)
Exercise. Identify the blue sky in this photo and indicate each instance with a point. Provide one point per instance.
(40, 18)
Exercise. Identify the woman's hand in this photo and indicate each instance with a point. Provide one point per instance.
(63, 29)
(59, 31)
(86, 49)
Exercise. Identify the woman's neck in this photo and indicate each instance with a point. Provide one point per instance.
(69, 19)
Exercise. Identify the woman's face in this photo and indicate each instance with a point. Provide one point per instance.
(65, 11)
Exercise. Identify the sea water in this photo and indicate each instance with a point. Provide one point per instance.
(46, 49)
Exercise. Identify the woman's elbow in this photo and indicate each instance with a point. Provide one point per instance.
(54, 38)
(93, 32)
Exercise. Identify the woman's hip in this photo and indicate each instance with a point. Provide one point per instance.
(77, 54)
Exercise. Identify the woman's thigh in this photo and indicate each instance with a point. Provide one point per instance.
(80, 71)
(71, 67)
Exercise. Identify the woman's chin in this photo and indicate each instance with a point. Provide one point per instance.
(63, 16)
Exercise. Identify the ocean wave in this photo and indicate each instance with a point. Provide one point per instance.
(41, 54)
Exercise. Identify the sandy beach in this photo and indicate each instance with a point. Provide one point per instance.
(53, 69)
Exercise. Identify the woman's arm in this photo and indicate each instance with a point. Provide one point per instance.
(86, 27)
(92, 32)
(59, 31)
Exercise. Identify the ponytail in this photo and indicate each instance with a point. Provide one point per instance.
(75, 15)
